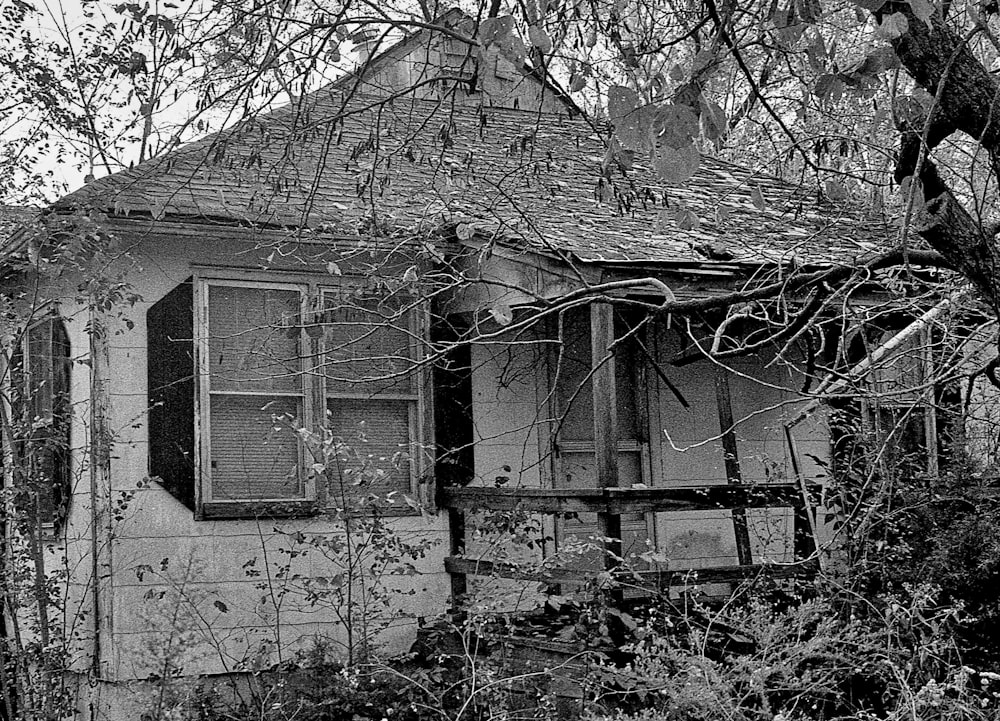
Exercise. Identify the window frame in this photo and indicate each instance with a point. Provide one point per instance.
(415, 400)
(36, 445)
(314, 394)
(884, 414)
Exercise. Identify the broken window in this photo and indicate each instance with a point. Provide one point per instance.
(903, 419)
(277, 360)
(41, 422)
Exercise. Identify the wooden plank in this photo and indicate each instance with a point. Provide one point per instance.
(542, 500)
(708, 498)
(476, 567)
(734, 475)
(456, 546)
(604, 388)
(622, 500)
(726, 574)
(644, 579)
(805, 540)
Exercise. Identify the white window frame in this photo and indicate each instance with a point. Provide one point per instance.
(203, 404)
(415, 399)
(313, 393)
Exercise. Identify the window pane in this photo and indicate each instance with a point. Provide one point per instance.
(574, 391)
(367, 346)
(253, 339)
(252, 456)
(378, 433)
(573, 388)
(897, 377)
(41, 376)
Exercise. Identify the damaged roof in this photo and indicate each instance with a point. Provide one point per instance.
(347, 164)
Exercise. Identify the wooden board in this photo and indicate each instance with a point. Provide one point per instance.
(649, 579)
(622, 500)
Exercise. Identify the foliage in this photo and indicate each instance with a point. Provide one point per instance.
(803, 659)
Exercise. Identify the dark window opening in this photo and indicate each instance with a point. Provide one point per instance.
(455, 458)
(40, 404)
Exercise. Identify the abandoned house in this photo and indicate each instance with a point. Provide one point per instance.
(353, 301)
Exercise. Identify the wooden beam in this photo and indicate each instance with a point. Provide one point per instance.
(734, 475)
(602, 338)
(805, 541)
(643, 579)
(623, 500)
(542, 500)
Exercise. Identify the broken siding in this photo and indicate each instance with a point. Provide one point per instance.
(690, 453)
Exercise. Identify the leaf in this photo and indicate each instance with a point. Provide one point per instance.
(877, 61)
(757, 198)
(465, 231)
(829, 87)
(411, 276)
(702, 60)
(540, 39)
(816, 52)
(333, 269)
(687, 220)
(223, 608)
(621, 101)
(923, 9)
(494, 31)
(713, 119)
(893, 26)
(676, 165)
(909, 112)
(870, 5)
(577, 83)
(675, 125)
(809, 11)
(513, 49)
(502, 313)
(835, 190)
(676, 73)
(722, 213)
(908, 185)
(631, 120)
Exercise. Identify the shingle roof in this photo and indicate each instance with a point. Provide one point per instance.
(13, 217)
(535, 179)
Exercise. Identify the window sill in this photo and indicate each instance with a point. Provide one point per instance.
(256, 510)
(253, 510)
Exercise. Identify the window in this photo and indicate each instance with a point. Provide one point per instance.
(371, 394)
(252, 373)
(903, 419)
(274, 358)
(41, 422)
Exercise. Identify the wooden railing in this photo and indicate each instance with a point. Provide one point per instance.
(616, 501)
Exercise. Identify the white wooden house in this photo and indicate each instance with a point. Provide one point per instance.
(313, 264)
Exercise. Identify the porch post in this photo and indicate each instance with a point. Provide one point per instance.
(730, 448)
(602, 336)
